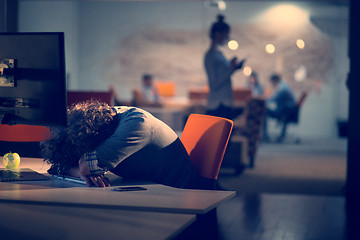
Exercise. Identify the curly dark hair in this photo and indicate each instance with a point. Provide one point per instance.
(89, 124)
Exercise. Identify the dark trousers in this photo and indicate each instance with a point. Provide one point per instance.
(170, 166)
(284, 116)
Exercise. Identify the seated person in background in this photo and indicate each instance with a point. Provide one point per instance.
(127, 141)
(280, 104)
(149, 95)
(116, 99)
(253, 83)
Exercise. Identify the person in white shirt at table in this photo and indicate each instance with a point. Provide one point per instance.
(149, 93)
(257, 90)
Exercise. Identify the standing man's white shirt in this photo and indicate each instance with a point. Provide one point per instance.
(218, 71)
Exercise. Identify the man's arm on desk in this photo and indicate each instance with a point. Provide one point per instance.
(83, 172)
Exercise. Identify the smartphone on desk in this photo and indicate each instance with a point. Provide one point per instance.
(128, 189)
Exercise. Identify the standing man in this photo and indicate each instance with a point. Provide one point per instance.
(219, 71)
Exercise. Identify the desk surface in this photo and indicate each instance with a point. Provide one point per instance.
(46, 220)
(22, 221)
(157, 198)
(36, 164)
(34, 209)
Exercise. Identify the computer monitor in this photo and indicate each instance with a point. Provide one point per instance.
(32, 79)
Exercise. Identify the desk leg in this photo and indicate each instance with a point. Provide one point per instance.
(205, 227)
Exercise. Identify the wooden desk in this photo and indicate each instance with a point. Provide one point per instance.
(157, 198)
(59, 196)
(36, 164)
(22, 221)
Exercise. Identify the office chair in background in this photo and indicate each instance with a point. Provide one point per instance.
(291, 118)
(205, 139)
(22, 139)
(166, 89)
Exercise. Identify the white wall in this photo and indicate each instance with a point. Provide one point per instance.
(94, 32)
(55, 16)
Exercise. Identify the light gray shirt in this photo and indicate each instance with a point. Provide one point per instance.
(145, 148)
(137, 131)
(218, 72)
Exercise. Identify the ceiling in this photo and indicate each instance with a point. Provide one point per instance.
(315, 1)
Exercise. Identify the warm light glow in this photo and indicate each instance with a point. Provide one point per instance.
(300, 74)
(233, 45)
(300, 43)
(270, 48)
(221, 5)
(284, 17)
(247, 71)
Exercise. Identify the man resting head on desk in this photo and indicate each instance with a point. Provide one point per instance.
(127, 141)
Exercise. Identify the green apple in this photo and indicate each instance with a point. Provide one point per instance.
(11, 160)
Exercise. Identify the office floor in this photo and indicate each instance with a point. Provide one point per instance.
(293, 211)
(315, 166)
(289, 212)
(282, 217)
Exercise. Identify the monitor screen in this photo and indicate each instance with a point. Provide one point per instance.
(32, 79)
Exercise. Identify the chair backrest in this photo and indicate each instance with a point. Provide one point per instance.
(205, 139)
(302, 98)
(165, 89)
(23, 133)
(293, 116)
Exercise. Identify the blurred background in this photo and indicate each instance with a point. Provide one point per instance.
(110, 45)
(115, 42)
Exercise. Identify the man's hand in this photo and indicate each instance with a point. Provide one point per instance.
(241, 64)
(91, 180)
(98, 181)
(235, 65)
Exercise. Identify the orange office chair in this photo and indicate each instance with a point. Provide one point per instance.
(23, 133)
(205, 139)
(165, 89)
(23, 139)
